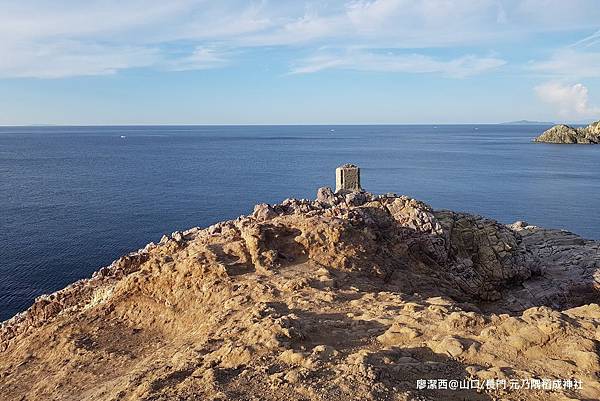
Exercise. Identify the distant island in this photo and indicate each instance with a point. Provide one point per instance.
(564, 134)
(527, 122)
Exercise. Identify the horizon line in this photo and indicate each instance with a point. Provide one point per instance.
(280, 124)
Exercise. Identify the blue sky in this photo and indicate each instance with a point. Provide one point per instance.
(298, 62)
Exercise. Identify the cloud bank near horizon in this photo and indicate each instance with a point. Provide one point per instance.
(568, 100)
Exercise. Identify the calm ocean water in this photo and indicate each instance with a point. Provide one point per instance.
(73, 199)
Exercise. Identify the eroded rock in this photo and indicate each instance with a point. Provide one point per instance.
(566, 134)
(349, 297)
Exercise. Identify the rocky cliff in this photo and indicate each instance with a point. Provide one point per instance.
(348, 297)
(566, 134)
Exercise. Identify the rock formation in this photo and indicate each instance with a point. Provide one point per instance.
(348, 297)
(562, 133)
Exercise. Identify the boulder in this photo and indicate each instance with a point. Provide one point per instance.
(562, 133)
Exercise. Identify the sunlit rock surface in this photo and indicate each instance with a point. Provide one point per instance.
(348, 297)
(562, 133)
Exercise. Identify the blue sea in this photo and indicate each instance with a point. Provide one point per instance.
(72, 199)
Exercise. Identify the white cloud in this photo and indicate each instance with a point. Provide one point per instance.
(570, 101)
(201, 58)
(94, 19)
(102, 36)
(556, 15)
(384, 23)
(408, 63)
(69, 58)
(588, 41)
(570, 63)
(71, 38)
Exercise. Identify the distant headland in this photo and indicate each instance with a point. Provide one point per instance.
(527, 122)
(563, 133)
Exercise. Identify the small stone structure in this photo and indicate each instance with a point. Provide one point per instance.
(347, 177)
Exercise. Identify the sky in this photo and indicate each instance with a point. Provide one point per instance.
(298, 62)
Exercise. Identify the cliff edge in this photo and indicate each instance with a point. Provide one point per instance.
(562, 133)
(352, 296)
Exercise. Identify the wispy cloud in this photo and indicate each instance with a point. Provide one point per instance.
(407, 63)
(569, 101)
(67, 37)
(201, 58)
(588, 41)
(70, 58)
(570, 63)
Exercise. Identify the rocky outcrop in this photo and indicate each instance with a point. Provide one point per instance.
(566, 134)
(352, 296)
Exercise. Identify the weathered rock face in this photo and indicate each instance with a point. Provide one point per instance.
(349, 297)
(566, 134)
